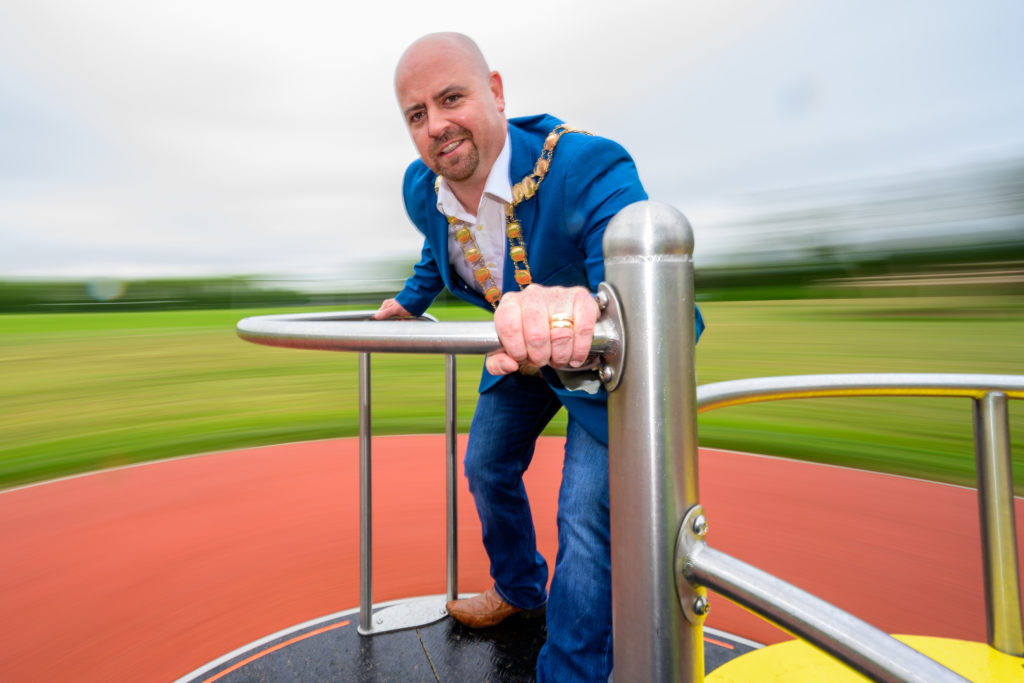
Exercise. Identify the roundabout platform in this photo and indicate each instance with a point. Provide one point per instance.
(154, 571)
(330, 649)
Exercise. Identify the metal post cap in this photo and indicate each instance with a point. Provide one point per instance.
(644, 229)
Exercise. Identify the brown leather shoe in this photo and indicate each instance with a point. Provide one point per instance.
(481, 611)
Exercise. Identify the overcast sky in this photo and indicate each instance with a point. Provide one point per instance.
(149, 138)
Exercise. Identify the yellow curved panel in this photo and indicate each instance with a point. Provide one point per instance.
(796, 660)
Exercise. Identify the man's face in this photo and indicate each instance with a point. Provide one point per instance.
(454, 112)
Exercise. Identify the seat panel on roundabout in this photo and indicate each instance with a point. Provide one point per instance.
(797, 661)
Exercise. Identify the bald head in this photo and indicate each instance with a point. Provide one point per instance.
(454, 107)
(449, 46)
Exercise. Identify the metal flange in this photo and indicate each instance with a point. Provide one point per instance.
(613, 359)
(693, 599)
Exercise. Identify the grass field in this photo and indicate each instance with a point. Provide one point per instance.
(88, 391)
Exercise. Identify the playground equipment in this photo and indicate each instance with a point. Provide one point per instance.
(662, 564)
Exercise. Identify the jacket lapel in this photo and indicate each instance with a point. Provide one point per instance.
(520, 166)
(438, 237)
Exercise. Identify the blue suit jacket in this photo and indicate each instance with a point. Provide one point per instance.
(589, 181)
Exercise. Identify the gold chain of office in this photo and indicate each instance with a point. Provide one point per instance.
(521, 191)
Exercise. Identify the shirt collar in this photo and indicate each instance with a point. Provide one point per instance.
(498, 186)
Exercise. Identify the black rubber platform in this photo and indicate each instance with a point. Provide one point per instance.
(332, 650)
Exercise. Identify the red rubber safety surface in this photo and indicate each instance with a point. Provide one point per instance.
(148, 572)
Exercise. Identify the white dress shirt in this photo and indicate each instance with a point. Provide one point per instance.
(487, 223)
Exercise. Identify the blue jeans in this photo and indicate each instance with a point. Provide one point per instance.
(506, 424)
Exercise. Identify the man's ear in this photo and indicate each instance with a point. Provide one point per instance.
(497, 90)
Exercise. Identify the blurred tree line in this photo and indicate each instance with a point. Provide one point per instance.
(949, 231)
(990, 268)
(162, 294)
(984, 269)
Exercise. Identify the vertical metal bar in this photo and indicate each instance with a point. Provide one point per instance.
(451, 476)
(652, 420)
(365, 499)
(998, 532)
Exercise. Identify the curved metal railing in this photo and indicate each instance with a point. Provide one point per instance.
(356, 331)
(739, 391)
(819, 622)
(661, 564)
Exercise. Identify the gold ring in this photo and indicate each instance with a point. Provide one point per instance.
(561, 320)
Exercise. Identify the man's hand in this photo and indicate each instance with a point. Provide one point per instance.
(390, 309)
(543, 326)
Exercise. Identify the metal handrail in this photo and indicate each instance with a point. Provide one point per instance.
(989, 394)
(328, 331)
(337, 332)
(740, 391)
(358, 331)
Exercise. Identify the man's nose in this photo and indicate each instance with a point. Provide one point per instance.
(437, 125)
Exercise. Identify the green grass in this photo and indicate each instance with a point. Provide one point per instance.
(927, 437)
(87, 391)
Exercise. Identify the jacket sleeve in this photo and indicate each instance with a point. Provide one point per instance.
(601, 180)
(422, 288)
(426, 282)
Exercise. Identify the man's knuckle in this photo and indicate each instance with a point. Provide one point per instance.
(561, 334)
(536, 340)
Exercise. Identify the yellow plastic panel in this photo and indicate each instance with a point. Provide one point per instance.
(796, 660)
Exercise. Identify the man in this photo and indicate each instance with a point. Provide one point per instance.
(513, 213)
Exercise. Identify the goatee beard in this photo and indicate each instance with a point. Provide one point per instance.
(458, 168)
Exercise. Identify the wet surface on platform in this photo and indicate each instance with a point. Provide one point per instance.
(332, 650)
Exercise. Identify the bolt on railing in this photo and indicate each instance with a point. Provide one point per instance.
(658, 595)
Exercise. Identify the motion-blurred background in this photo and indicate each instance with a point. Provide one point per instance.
(854, 172)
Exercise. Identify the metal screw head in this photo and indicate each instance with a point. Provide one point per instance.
(605, 373)
(701, 606)
(602, 300)
(700, 525)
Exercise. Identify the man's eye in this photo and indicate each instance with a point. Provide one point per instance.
(452, 99)
(414, 118)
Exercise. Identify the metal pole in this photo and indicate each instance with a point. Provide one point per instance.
(998, 532)
(451, 476)
(652, 420)
(365, 502)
